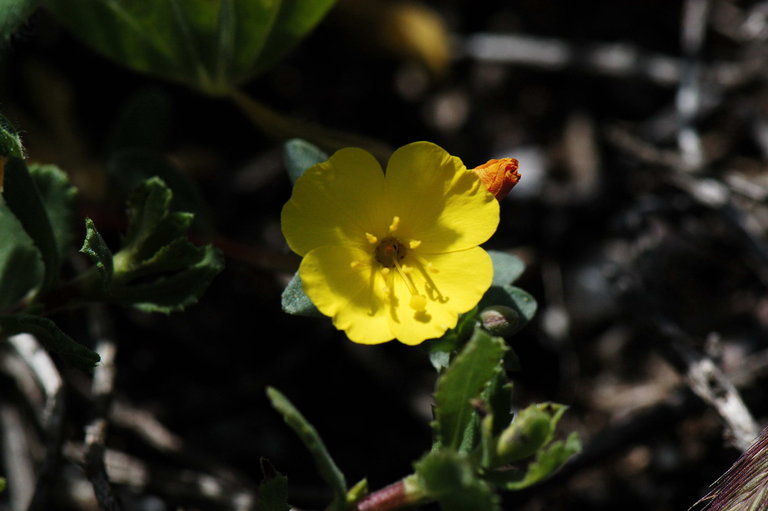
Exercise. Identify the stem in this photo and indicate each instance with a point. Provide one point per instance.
(403, 493)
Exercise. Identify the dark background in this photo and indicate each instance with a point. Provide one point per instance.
(600, 204)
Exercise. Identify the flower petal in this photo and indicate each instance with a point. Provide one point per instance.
(440, 202)
(335, 202)
(453, 284)
(343, 283)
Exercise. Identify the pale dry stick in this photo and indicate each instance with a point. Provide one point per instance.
(207, 490)
(17, 459)
(51, 416)
(101, 390)
(605, 59)
(688, 101)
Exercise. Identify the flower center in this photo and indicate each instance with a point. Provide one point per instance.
(390, 252)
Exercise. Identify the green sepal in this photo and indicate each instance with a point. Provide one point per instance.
(521, 306)
(532, 429)
(507, 268)
(212, 45)
(295, 301)
(51, 337)
(10, 142)
(312, 441)
(273, 489)
(299, 155)
(23, 199)
(449, 478)
(456, 420)
(548, 461)
(357, 492)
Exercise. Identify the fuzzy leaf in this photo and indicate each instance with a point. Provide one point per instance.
(295, 301)
(312, 441)
(96, 249)
(507, 268)
(58, 197)
(273, 489)
(50, 337)
(212, 45)
(10, 142)
(441, 349)
(448, 477)
(21, 269)
(24, 200)
(12, 14)
(457, 422)
(548, 461)
(300, 155)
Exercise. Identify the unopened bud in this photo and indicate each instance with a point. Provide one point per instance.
(498, 176)
(500, 320)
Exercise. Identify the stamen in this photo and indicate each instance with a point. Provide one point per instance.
(395, 224)
(384, 271)
(414, 243)
(418, 302)
(371, 238)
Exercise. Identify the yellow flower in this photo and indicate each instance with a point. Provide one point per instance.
(392, 255)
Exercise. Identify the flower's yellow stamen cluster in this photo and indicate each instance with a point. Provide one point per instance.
(371, 238)
(390, 253)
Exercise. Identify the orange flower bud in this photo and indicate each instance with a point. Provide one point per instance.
(498, 176)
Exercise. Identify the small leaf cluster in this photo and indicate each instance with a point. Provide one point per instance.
(156, 268)
(480, 444)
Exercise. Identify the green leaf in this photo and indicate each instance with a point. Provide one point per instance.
(441, 349)
(12, 14)
(212, 45)
(295, 19)
(547, 462)
(521, 304)
(24, 200)
(273, 489)
(507, 268)
(312, 441)
(58, 197)
(449, 478)
(457, 422)
(357, 492)
(498, 400)
(21, 269)
(10, 142)
(532, 429)
(130, 167)
(300, 155)
(96, 249)
(50, 337)
(295, 301)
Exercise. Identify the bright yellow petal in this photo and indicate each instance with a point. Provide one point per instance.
(440, 202)
(335, 202)
(343, 284)
(453, 284)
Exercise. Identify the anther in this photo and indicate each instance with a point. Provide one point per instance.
(414, 243)
(395, 224)
(371, 238)
(384, 271)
